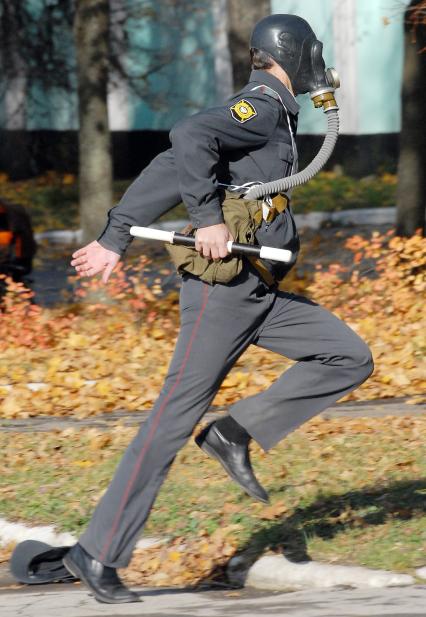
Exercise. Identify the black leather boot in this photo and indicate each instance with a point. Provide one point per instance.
(234, 458)
(103, 581)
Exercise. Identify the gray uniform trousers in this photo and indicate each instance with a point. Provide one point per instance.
(217, 324)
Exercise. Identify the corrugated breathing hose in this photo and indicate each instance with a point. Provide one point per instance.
(284, 184)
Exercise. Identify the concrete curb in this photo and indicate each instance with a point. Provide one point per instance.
(421, 572)
(17, 532)
(270, 572)
(276, 573)
(312, 220)
(11, 533)
(75, 236)
(356, 216)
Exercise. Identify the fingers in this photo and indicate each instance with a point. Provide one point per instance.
(107, 272)
(87, 270)
(211, 242)
(218, 252)
(223, 251)
(207, 251)
(213, 251)
(93, 258)
(77, 261)
(203, 247)
(86, 266)
(79, 253)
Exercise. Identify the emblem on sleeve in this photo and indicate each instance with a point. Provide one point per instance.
(243, 111)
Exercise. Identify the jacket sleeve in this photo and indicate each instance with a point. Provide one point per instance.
(198, 142)
(154, 192)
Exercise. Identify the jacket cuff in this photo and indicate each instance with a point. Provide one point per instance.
(113, 241)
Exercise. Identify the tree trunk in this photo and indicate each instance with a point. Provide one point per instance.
(13, 67)
(243, 15)
(222, 54)
(91, 36)
(411, 194)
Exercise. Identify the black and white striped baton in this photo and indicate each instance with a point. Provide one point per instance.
(172, 237)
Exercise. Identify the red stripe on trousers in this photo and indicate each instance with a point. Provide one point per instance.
(152, 431)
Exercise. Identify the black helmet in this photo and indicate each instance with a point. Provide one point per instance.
(292, 43)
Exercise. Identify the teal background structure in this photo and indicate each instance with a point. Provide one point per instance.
(188, 82)
(377, 55)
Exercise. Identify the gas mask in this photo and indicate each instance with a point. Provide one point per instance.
(292, 43)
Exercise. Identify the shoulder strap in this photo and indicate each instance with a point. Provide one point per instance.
(269, 92)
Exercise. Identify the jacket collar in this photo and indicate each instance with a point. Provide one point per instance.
(262, 77)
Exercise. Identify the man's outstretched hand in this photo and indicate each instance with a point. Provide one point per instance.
(94, 258)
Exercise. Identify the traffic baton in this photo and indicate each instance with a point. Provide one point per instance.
(172, 237)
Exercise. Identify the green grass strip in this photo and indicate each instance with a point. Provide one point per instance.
(346, 490)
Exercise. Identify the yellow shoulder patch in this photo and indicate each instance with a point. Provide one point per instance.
(243, 111)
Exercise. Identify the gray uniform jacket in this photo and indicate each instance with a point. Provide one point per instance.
(246, 140)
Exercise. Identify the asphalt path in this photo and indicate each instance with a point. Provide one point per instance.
(73, 601)
(356, 409)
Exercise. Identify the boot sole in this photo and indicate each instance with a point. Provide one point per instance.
(211, 452)
(75, 571)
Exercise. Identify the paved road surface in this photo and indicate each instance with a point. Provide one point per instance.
(72, 601)
(353, 409)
